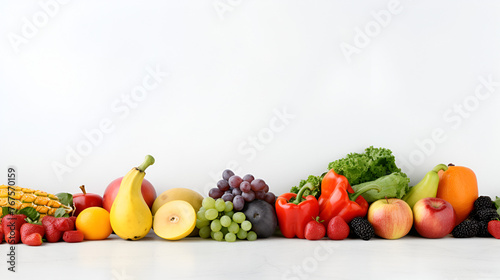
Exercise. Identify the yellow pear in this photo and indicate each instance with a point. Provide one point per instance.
(130, 216)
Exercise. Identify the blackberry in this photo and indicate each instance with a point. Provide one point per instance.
(487, 215)
(483, 229)
(465, 229)
(362, 228)
(483, 202)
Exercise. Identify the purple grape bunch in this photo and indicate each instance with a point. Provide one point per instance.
(240, 190)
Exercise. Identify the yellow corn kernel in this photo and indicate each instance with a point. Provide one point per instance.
(16, 195)
(54, 204)
(26, 190)
(4, 201)
(40, 193)
(17, 198)
(42, 200)
(42, 209)
(15, 204)
(28, 197)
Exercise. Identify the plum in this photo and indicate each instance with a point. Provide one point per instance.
(262, 216)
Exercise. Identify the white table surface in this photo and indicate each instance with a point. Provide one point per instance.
(273, 258)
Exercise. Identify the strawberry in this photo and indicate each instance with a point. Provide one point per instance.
(494, 228)
(34, 239)
(11, 225)
(28, 229)
(73, 218)
(64, 224)
(73, 236)
(13, 236)
(52, 234)
(314, 230)
(1, 233)
(337, 229)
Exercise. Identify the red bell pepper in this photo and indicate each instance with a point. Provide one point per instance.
(294, 216)
(339, 199)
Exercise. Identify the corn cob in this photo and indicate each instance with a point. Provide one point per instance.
(44, 203)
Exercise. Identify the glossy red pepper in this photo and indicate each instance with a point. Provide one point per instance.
(293, 216)
(339, 199)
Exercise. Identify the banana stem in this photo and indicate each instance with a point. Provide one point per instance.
(149, 160)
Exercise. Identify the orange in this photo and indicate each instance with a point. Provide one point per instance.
(94, 223)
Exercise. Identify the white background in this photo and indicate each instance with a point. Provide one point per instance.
(64, 68)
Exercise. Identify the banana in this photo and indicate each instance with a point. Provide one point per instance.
(427, 187)
(130, 216)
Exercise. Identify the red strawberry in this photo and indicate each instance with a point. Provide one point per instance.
(64, 224)
(34, 239)
(1, 233)
(73, 236)
(314, 230)
(73, 218)
(13, 237)
(337, 228)
(28, 229)
(8, 220)
(11, 225)
(494, 228)
(51, 233)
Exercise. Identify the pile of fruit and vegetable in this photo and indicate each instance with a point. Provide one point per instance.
(360, 196)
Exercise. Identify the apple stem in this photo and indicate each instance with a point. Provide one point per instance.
(386, 199)
(374, 186)
(149, 160)
(82, 187)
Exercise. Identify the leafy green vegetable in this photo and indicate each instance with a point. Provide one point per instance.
(36, 221)
(60, 212)
(497, 204)
(65, 198)
(5, 211)
(392, 185)
(30, 213)
(361, 168)
(315, 181)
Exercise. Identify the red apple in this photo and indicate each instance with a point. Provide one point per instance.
(391, 218)
(85, 200)
(147, 189)
(434, 217)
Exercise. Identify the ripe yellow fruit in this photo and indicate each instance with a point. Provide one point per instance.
(188, 195)
(94, 223)
(174, 220)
